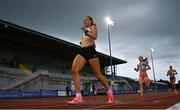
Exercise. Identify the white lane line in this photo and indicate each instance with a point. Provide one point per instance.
(174, 107)
(108, 105)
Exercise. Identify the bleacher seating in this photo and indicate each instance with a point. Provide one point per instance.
(17, 78)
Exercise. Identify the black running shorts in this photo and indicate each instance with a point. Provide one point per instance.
(88, 52)
(172, 79)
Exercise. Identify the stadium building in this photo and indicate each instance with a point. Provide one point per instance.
(33, 61)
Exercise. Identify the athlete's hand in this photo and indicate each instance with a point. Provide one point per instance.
(135, 69)
(83, 28)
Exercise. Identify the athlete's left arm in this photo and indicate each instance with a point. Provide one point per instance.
(175, 71)
(93, 33)
(148, 67)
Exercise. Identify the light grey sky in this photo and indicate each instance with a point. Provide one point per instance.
(139, 25)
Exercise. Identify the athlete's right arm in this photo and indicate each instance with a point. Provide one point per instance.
(168, 73)
(136, 69)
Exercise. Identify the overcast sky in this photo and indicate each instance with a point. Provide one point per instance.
(139, 25)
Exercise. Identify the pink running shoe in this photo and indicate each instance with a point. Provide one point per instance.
(77, 99)
(110, 97)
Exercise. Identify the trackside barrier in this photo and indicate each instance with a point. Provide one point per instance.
(7, 95)
(19, 94)
(125, 92)
(16, 94)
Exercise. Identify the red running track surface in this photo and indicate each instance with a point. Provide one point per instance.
(124, 101)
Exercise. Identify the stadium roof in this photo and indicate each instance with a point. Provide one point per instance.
(18, 33)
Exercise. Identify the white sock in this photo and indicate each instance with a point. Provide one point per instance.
(78, 94)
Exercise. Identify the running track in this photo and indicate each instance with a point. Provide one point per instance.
(125, 101)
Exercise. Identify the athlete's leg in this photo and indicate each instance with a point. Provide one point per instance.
(147, 81)
(174, 86)
(141, 85)
(95, 66)
(172, 83)
(77, 65)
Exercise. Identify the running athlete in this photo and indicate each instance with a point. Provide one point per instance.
(171, 73)
(88, 54)
(142, 67)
